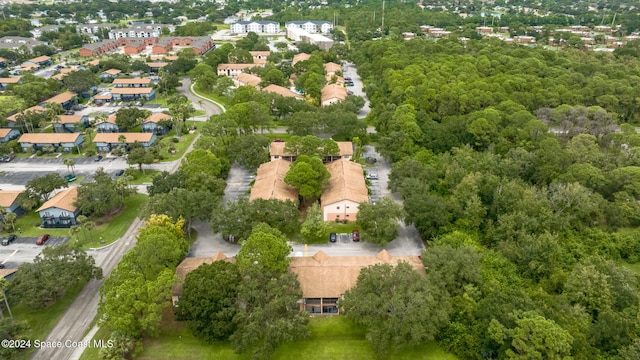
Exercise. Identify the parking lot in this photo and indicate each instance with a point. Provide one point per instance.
(379, 187)
(238, 183)
(24, 249)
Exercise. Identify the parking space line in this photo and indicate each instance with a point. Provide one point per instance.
(7, 259)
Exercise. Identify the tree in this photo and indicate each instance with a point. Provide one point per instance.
(70, 165)
(189, 205)
(4, 286)
(201, 170)
(81, 81)
(165, 182)
(10, 221)
(308, 175)
(249, 150)
(181, 109)
(168, 83)
(265, 251)
(452, 269)
(39, 284)
(533, 337)
(42, 187)
(208, 301)
(379, 222)
(311, 146)
(396, 305)
(140, 156)
(130, 117)
(314, 228)
(100, 196)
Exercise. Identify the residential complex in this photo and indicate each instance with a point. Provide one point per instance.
(258, 27)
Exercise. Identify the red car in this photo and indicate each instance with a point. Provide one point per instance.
(355, 235)
(42, 239)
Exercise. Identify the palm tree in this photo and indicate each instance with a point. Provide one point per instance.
(70, 164)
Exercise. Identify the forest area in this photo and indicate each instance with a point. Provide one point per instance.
(520, 169)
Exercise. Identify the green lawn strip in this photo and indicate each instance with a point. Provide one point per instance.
(342, 228)
(199, 113)
(117, 226)
(181, 146)
(334, 337)
(94, 352)
(146, 176)
(160, 100)
(210, 95)
(41, 322)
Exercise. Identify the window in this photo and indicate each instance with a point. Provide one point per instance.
(337, 207)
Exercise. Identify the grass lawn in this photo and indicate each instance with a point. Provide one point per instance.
(342, 228)
(94, 352)
(199, 113)
(40, 323)
(29, 225)
(210, 95)
(159, 99)
(146, 176)
(181, 146)
(633, 267)
(331, 338)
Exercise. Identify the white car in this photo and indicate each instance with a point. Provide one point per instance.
(372, 176)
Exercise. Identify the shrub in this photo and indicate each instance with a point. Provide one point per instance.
(39, 153)
(175, 140)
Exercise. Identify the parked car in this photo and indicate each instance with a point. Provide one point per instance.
(120, 172)
(42, 239)
(349, 92)
(7, 158)
(372, 176)
(70, 178)
(355, 235)
(70, 112)
(98, 158)
(8, 240)
(333, 237)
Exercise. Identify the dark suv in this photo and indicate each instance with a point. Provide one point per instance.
(8, 240)
(333, 237)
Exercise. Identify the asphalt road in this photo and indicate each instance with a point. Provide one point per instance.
(350, 70)
(75, 322)
(199, 103)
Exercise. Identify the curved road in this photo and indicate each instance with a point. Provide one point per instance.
(73, 325)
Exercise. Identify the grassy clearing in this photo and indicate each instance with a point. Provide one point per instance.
(342, 228)
(331, 338)
(210, 95)
(94, 352)
(181, 145)
(39, 323)
(142, 177)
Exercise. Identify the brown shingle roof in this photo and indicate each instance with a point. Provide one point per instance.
(346, 183)
(323, 276)
(157, 117)
(70, 119)
(249, 79)
(157, 64)
(39, 59)
(48, 138)
(270, 183)
(135, 81)
(235, 66)
(189, 264)
(37, 109)
(63, 200)
(4, 132)
(113, 71)
(61, 98)
(132, 91)
(8, 197)
(11, 80)
(6, 272)
(94, 62)
(300, 57)
(283, 91)
(130, 137)
(331, 67)
(277, 148)
(332, 91)
(260, 53)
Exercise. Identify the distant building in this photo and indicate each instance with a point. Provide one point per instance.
(4, 82)
(110, 74)
(66, 99)
(40, 61)
(8, 134)
(269, 183)
(153, 123)
(70, 123)
(15, 42)
(258, 27)
(245, 79)
(276, 152)
(311, 26)
(260, 57)
(107, 125)
(282, 91)
(297, 34)
(64, 141)
(331, 94)
(299, 57)
(106, 142)
(233, 70)
(199, 44)
(140, 31)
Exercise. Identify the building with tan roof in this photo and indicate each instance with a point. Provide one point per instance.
(299, 57)
(331, 68)
(156, 66)
(66, 99)
(132, 83)
(325, 279)
(110, 74)
(65, 142)
(233, 70)
(157, 123)
(40, 61)
(344, 192)
(9, 201)
(64, 72)
(60, 211)
(282, 91)
(245, 79)
(269, 183)
(107, 125)
(188, 265)
(12, 120)
(276, 151)
(4, 82)
(260, 57)
(70, 123)
(132, 93)
(331, 94)
(8, 134)
(105, 142)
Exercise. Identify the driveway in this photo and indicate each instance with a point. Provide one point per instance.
(350, 70)
(198, 103)
(382, 167)
(24, 249)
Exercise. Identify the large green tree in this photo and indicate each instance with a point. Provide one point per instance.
(100, 196)
(397, 306)
(264, 251)
(379, 222)
(308, 175)
(43, 187)
(208, 301)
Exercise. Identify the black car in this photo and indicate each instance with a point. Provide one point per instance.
(333, 237)
(98, 158)
(9, 239)
(70, 112)
(120, 172)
